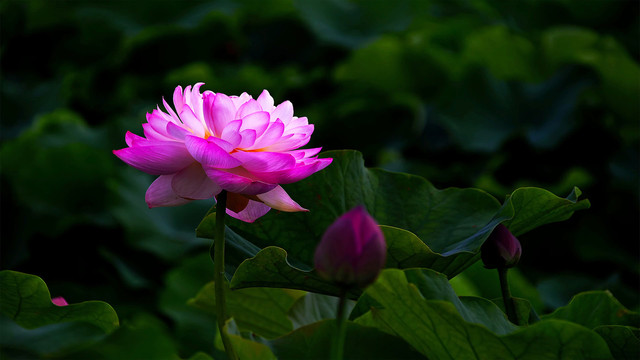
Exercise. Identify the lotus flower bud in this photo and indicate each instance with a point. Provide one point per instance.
(352, 250)
(501, 250)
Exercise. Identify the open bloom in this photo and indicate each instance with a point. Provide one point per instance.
(352, 250)
(213, 142)
(501, 249)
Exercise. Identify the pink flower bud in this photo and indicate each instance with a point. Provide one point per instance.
(59, 301)
(352, 250)
(501, 250)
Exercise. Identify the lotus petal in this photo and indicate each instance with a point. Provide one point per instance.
(209, 154)
(279, 199)
(193, 183)
(161, 193)
(237, 183)
(161, 158)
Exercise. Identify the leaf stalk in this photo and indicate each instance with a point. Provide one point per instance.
(509, 304)
(337, 350)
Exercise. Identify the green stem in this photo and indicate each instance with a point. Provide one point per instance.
(218, 276)
(337, 349)
(506, 296)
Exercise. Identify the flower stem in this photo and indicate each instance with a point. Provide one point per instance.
(509, 305)
(337, 349)
(218, 276)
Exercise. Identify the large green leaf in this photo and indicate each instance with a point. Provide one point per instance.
(556, 339)
(534, 207)
(437, 329)
(313, 307)
(362, 342)
(434, 286)
(270, 268)
(596, 308)
(623, 341)
(447, 220)
(600, 311)
(405, 250)
(246, 347)
(525, 312)
(54, 340)
(141, 337)
(26, 299)
(260, 310)
(424, 226)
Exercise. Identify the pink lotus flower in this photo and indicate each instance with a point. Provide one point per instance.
(214, 142)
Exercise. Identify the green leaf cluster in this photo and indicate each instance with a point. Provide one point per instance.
(423, 226)
(515, 103)
(32, 322)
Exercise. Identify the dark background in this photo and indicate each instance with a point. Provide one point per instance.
(489, 94)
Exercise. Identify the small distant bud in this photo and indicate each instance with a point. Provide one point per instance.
(352, 250)
(501, 250)
(59, 301)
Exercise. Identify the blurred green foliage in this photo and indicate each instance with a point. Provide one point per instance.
(468, 93)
